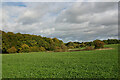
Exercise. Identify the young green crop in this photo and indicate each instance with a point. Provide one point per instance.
(79, 64)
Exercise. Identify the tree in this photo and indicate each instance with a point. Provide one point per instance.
(32, 42)
(55, 40)
(105, 41)
(24, 48)
(82, 45)
(70, 47)
(98, 44)
(42, 49)
(58, 49)
(69, 44)
(12, 50)
(34, 49)
(64, 48)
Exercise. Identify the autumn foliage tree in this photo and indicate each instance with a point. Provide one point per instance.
(34, 49)
(57, 49)
(64, 48)
(42, 49)
(24, 48)
(98, 44)
(12, 50)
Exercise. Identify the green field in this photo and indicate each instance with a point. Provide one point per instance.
(80, 64)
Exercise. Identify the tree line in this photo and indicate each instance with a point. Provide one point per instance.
(18, 43)
(92, 43)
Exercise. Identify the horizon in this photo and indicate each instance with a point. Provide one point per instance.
(67, 21)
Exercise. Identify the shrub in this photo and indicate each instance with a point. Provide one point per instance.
(12, 50)
(98, 44)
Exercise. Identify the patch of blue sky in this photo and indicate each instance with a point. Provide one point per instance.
(66, 6)
(20, 4)
(57, 13)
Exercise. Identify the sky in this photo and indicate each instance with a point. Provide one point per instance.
(68, 21)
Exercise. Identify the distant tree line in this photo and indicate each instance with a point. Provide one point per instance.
(18, 43)
(95, 43)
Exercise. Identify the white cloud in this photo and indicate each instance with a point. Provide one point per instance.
(67, 21)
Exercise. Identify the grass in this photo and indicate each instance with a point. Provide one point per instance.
(80, 64)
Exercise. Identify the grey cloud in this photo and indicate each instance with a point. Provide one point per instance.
(81, 12)
(38, 11)
(66, 21)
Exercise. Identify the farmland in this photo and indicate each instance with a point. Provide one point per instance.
(78, 64)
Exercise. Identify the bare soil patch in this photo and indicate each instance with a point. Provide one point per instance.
(104, 49)
(92, 49)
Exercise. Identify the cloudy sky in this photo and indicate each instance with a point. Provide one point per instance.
(69, 21)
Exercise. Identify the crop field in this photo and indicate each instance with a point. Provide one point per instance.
(79, 64)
